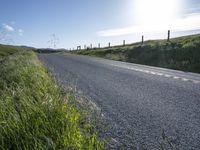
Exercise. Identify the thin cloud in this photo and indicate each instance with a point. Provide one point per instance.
(20, 32)
(8, 28)
(186, 23)
(193, 9)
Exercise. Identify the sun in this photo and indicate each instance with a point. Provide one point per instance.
(156, 13)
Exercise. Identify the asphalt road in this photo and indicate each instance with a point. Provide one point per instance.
(140, 101)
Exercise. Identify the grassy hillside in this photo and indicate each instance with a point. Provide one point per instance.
(7, 50)
(33, 113)
(181, 53)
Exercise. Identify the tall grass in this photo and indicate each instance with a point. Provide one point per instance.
(33, 113)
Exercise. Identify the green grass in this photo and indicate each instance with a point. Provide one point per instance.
(33, 112)
(6, 50)
(181, 53)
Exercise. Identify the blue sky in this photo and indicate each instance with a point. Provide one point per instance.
(80, 22)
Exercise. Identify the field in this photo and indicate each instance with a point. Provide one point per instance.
(181, 53)
(34, 114)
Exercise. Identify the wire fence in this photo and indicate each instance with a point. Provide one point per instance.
(91, 47)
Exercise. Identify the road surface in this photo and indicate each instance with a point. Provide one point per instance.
(140, 101)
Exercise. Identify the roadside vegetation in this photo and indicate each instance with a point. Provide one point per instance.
(33, 112)
(181, 53)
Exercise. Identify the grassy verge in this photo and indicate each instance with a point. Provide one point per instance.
(180, 53)
(33, 113)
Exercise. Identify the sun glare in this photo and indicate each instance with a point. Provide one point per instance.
(156, 13)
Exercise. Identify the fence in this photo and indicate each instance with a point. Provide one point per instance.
(109, 44)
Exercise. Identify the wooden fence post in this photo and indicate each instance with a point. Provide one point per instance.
(78, 47)
(124, 42)
(142, 39)
(168, 37)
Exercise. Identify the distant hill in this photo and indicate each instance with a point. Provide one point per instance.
(9, 49)
(49, 50)
(182, 53)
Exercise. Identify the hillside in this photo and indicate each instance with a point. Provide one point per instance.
(181, 53)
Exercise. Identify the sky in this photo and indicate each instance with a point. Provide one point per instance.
(70, 23)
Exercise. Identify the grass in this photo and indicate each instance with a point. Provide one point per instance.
(33, 112)
(181, 53)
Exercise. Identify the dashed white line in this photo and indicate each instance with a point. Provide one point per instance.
(152, 72)
(167, 76)
(146, 71)
(176, 77)
(196, 82)
(160, 74)
(184, 79)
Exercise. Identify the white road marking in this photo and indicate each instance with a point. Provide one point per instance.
(196, 82)
(159, 74)
(152, 72)
(167, 76)
(147, 71)
(184, 79)
(176, 77)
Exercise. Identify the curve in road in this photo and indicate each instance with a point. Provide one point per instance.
(139, 100)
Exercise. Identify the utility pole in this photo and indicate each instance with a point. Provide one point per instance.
(99, 45)
(53, 41)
